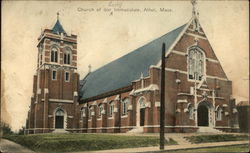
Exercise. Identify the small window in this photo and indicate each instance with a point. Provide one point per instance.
(67, 76)
(111, 108)
(190, 112)
(90, 112)
(125, 104)
(219, 114)
(54, 75)
(82, 112)
(100, 110)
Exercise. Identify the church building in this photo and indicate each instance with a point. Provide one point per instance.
(124, 95)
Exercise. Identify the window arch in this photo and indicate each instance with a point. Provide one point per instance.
(59, 112)
(54, 54)
(125, 104)
(195, 63)
(67, 56)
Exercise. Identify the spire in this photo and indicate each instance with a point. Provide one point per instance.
(58, 29)
(195, 13)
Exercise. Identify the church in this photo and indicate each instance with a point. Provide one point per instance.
(124, 95)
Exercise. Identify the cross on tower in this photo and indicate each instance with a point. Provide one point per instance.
(57, 15)
(89, 68)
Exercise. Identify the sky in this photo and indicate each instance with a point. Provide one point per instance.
(107, 31)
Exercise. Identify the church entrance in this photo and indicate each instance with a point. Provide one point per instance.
(202, 115)
(59, 119)
(142, 116)
(140, 112)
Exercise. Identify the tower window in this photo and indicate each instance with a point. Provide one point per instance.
(67, 56)
(195, 64)
(54, 75)
(54, 54)
(67, 76)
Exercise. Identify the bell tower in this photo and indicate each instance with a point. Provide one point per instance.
(55, 86)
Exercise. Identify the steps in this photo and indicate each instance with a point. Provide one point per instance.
(205, 129)
(136, 130)
(60, 131)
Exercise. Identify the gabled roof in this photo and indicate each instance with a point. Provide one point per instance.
(121, 72)
(58, 28)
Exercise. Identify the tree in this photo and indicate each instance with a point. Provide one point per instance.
(5, 129)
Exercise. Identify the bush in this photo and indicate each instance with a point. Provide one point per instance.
(216, 138)
(5, 129)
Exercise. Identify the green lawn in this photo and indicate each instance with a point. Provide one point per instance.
(55, 143)
(216, 138)
(236, 149)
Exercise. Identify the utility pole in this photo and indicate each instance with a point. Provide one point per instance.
(162, 109)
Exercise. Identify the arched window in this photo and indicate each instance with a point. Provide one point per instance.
(100, 110)
(90, 111)
(142, 103)
(111, 108)
(195, 63)
(67, 56)
(190, 112)
(54, 54)
(219, 114)
(83, 113)
(125, 104)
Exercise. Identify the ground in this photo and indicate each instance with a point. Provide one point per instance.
(54, 143)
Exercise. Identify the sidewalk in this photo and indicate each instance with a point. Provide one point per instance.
(7, 146)
(169, 148)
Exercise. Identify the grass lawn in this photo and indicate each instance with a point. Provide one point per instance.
(55, 143)
(236, 148)
(216, 138)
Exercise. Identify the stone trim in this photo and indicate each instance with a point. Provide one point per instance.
(124, 116)
(194, 35)
(179, 53)
(182, 101)
(60, 101)
(212, 60)
(178, 126)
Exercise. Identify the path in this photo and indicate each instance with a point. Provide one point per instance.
(169, 148)
(7, 146)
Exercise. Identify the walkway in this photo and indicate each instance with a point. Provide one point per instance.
(7, 146)
(170, 148)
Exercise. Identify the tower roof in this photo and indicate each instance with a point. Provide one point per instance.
(58, 27)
